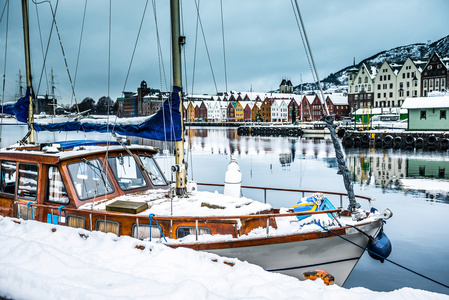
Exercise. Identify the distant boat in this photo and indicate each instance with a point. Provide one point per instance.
(390, 121)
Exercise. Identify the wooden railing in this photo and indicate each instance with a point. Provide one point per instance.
(303, 192)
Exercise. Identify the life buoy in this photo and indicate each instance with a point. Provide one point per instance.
(397, 142)
(365, 139)
(388, 141)
(348, 141)
(409, 139)
(431, 140)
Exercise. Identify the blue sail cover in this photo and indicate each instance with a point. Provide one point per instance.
(165, 125)
(18, 109)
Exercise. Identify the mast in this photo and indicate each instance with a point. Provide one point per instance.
(177, 42)
(53, 92)
(20, 84)
(26, 38)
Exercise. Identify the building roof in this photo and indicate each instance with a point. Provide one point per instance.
(337, 99)
(426, 102)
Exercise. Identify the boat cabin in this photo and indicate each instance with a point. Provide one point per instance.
(94, 187)
(73, 175)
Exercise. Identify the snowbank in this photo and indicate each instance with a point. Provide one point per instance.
(44, 261)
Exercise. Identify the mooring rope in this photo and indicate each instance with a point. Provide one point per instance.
(389, 260)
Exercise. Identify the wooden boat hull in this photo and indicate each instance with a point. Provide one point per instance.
(295, 254)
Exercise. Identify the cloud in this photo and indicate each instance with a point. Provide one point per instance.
(262, 41)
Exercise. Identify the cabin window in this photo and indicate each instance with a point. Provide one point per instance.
(127, 172)
(56, 189)
(111, 226)
(155, 173)
(89, 179)
(185, 231)
(423, 114)
(75, 221)
(142, 231)
(443, 114)
(28, 179)
(8, 181)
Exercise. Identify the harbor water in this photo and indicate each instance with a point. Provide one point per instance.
(413, 184)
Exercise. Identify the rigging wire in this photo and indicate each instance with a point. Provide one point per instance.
(205, 45)
(189, 149)
(195, 48)
(376, 254)
(109, 61)
(4, 9)
(79, 45)
(42, 45)
(224, 48)
(4, 66)
(48, 45)
(135, 45)
(309, 56)
(159, 51)
(55, 25)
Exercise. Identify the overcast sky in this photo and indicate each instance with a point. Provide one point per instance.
(262, 42)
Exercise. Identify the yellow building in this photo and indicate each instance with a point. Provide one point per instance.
(239, 115)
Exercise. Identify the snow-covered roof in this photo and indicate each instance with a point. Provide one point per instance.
(426, 102)
(338, 99)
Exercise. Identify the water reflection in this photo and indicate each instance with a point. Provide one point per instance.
(412, 172)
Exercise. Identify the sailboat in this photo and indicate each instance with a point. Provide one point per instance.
(120, 189)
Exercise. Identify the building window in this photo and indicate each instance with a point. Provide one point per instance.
(391, 95)
(378, 86)
(389, 77)
(360, 79)
(443, 114)
(422, 115)
(391, 85)
(378, 95)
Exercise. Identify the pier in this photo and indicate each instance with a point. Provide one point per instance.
(407, 140)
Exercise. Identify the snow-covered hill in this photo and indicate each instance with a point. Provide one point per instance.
(419, 51)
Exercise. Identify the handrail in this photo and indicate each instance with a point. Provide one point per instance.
(289, 190)
(193, 218)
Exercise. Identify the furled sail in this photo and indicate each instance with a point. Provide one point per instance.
(18, 109)
(165, 125)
